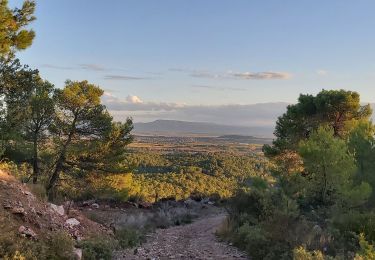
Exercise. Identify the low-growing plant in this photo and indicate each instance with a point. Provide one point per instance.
(97, 247)
(300, 253)
(60, 246)
(128, 237)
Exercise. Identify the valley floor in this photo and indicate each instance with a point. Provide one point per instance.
(193, 241)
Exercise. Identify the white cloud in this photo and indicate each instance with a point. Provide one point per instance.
(135, 103)
(264, 75)
(133, 99)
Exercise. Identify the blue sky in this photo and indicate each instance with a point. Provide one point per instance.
(206, 53)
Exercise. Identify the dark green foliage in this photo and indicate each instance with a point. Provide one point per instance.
(83, 130)
(338, 109)
(128, 237)
(98, 248)
(264, 224)
(324, 163)
(57, 246)
(60, 246)
(330, 170)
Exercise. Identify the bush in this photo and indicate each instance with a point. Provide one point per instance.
(366, 251)
(12, 246)
(251, 206)
(356, 222)
(60, 246)
(301, 253)
(97, 248)
(253, 239)
(128, 237)
(17, 256)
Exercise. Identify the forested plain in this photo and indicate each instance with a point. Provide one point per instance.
(310, 195)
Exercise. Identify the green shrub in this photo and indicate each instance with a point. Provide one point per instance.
(12, 245)
(253, 206)
(356, 222)
(367, 251)
(60, 246)
(98, 248)
(128, 237)
(253, 239)
(57, 246)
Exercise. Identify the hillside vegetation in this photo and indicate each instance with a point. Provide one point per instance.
(322, 206)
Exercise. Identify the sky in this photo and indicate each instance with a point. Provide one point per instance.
(155, 59)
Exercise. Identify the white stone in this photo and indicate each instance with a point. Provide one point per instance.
(72, 222)
(95, 205)
(26, 231)
(58, 209)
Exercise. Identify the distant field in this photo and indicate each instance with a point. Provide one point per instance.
(198, 144)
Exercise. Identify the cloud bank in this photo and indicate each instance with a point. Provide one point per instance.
(264, 75)
(264, 114)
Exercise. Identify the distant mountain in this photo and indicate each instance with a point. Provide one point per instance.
(182, 128)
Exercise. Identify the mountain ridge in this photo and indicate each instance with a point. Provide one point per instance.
(180, 128)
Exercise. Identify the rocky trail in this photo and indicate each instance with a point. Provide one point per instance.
(193, 241)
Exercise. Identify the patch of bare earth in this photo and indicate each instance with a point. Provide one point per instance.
(193, 241)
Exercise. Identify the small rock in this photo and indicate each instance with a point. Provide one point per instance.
(28, 193)
(18, 211)
(58, 209)
(26, 232)
(95, 205)
(72, 222)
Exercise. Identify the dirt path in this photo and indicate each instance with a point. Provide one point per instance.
(193, 241)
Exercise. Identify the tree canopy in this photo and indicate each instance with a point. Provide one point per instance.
(14, 32)
(339, 109)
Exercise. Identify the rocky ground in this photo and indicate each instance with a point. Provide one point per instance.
(193, 241)
(23, 213)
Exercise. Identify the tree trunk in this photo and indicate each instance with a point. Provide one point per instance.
(56, 173)
(35, 160)
(61, 160)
